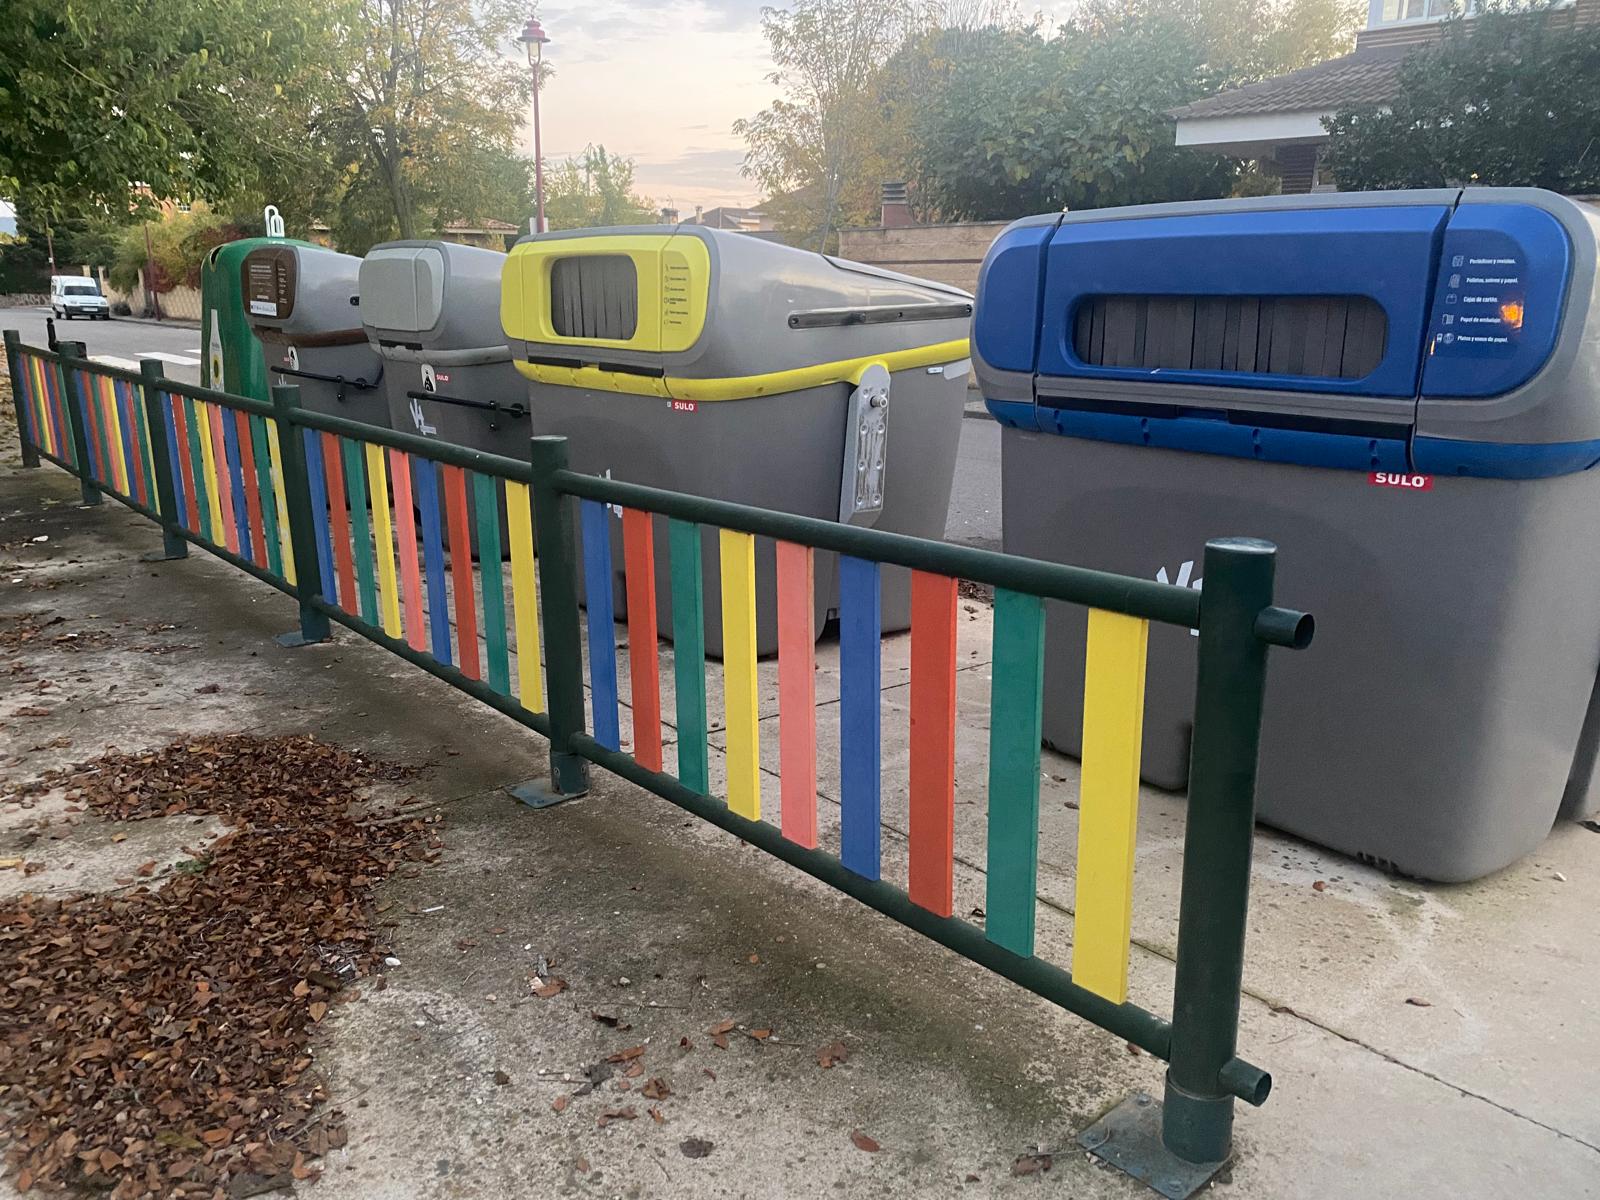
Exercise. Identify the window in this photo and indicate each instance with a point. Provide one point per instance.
(1325, 337)
(80, 289)
(594, 296)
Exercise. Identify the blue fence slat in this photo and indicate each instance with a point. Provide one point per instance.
(185, 517)
(316, 475)
(860, 727)
(235, 485)
(426, 477)
(602, 631)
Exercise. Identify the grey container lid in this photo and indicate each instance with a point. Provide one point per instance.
(295, 292)
(437, 295)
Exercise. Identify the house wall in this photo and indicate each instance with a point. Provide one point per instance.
(949, 254)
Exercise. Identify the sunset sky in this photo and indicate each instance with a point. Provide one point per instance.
(661, 83)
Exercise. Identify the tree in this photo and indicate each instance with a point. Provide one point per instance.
(593, 190)
(1011, 120)
(189, 99)
(815, 149)
(1508, 98)
(427, 113)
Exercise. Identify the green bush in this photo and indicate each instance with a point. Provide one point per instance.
(177, 245)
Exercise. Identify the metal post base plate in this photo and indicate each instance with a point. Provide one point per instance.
(1129, 1138)
(295, 639)
(536, 793)
(156, 556)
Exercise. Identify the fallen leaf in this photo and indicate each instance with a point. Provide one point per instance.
(617, 1114)
(833, 1052)
(1419, 1002)
(1032, 1164)
(632, 1052)
(582, 1164)
(863, 1142)
(147, 869)
(656, 1089)
(317, 1009)
(546, 990)
(501, 1079)
(1319, 886)
(559, 1104)
(616, 1023)
(655, 1115)
(695, 1147)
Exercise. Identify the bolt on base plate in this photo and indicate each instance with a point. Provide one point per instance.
(1129, 1138)
(536, 793)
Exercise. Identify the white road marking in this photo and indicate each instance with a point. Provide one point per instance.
(180, 360)
(111, 360)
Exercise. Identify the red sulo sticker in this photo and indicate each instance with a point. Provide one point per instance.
(684, 406)
(1413, 483)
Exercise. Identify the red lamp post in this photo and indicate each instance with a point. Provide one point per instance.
(533, 38)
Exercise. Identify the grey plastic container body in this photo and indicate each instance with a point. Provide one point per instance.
(432, 310)
(1433, 726)
(1447, 714)
(299, 301)
(769, 308)
(780, 452)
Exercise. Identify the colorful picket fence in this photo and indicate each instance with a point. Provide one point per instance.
(409, 543)
(1114, 703)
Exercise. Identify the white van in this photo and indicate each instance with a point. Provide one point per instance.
(77, 296)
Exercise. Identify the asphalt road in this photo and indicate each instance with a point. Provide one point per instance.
(974, 501)
(117, 342)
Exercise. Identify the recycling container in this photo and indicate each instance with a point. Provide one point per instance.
(723, 365)
(233, 359)
(300, 302)
(1401, 390)
(432, 311)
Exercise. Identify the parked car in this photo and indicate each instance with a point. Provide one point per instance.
(77, 296)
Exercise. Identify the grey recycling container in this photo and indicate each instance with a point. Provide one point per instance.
(724, 365)
(432, 311)
(300, 301)
(1401, 390)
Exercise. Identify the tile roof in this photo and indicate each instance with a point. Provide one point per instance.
(1367, 76)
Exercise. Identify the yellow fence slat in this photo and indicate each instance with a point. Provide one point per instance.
(383, 537)
(280, 497)
(738, 552)
(524, 597)
(1108, 805)
(208, 459)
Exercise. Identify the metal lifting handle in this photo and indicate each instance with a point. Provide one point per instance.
(362, 385)
(517, 411)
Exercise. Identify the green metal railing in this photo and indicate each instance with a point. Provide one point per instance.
(263, 486)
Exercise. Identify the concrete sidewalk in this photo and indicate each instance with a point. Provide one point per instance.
(1484, 1089)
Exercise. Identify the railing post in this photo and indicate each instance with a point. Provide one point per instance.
(173, 544)
(77, 417)
(558, 606)
(302, 532)
(30, 452)
(1197, 1117)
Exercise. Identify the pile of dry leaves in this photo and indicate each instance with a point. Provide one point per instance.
(155, 1041)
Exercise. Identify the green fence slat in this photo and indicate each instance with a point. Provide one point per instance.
(486, 500)
(197, 462)
(355, 487)
(689, 653)
(1015, 703)
(268, 491)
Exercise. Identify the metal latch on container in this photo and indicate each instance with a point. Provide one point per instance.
(866, 434)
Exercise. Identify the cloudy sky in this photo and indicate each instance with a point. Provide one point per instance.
(661, 83)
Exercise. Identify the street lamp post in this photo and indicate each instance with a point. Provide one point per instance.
(533, 37)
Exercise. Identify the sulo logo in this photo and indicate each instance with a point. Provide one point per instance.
(1414, 483)
(1183, 580)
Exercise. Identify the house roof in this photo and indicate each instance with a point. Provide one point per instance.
(1367, 76)
(725, 217)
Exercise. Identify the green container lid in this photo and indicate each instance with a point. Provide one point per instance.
(232, 360)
